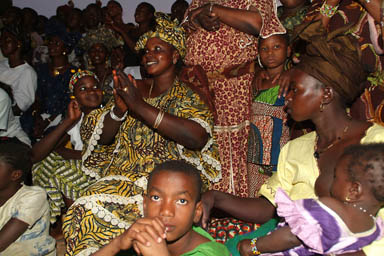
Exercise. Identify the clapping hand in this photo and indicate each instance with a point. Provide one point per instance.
(127, 95)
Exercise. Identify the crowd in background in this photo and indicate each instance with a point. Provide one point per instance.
(100, 103)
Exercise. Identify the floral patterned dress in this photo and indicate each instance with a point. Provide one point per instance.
(219, 53)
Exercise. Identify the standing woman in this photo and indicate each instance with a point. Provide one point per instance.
(222, 41)
(148, 122)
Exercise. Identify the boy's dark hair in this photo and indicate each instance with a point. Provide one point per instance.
(285, 36)
(180, 166)
(17, 154)
(369, 160)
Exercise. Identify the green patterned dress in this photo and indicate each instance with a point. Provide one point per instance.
(114, 202)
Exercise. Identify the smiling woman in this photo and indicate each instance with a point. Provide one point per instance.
(147, 122)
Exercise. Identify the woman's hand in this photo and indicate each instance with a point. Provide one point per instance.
(283, 80)
(39, 126)
(126, 89)
(244, 247)
(208, 200)
(202, 17)
(74, 111)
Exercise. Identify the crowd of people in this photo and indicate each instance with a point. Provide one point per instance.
(259, 121)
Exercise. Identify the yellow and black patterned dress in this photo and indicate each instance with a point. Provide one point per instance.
(114, 202)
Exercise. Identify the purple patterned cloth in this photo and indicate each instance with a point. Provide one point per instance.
(320, 229)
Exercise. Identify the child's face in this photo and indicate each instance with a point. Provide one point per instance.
(88, 93)
(8, 44)
(341, 182)
(6, 174)
(172, 197)
(273, 51)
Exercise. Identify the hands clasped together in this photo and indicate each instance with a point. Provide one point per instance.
(147, 236)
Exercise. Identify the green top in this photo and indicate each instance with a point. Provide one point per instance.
(212, 248)
(268, 96)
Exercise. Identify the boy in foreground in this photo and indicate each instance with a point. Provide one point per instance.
(171, 206)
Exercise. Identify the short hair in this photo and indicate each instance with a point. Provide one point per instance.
(180, 166)
(284, 36)
(367, 162)
(17, 154)
(115, 2)
(150, 7)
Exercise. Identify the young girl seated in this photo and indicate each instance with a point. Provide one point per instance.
(59, 168)
(342, 223)
(24, 210)
(171, 207)
(268, 132)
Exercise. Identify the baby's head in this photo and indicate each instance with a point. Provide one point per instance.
(361, 167)
(173, 195)
(274, 50)
(15, 161)
(84, 87)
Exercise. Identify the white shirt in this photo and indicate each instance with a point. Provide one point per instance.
(23, 81)
(29, 205)
(9, 125)
(74, 134)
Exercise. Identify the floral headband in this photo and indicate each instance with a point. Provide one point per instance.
(78, 75)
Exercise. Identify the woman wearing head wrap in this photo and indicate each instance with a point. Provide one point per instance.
(326, 81)
(58, 168)
(52, 95)
(148, 122)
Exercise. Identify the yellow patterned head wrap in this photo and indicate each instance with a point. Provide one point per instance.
(167, 30)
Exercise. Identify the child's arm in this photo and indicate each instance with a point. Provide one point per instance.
(279, 240)
(46, 145)
(154, 231)
(11, 232)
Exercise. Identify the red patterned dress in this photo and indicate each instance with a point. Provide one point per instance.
(220, 53)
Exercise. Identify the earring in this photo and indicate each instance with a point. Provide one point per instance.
(258, 59)
(64, 53)
(347, 199)
(321, 106)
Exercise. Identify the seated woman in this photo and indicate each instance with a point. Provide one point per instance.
(52, 95)
(58, 168)
(148, 122)
(325, 81)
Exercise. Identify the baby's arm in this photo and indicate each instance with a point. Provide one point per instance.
(279, 240)
(144, 231)
(11, 232)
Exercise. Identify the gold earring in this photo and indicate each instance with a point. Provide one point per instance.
(72, 97)
(321, 106)
(347, 199)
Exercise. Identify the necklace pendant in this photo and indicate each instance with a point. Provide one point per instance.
(316, 155)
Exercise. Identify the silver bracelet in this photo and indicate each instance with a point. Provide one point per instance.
(158, 120)
(115, 117)
(211, 7)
